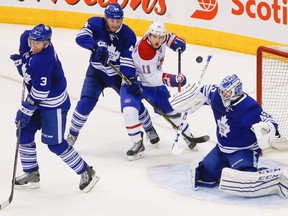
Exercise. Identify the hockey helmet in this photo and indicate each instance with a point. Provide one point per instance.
(157, 28)
(230, 89)
(114, 11)
(40, 32)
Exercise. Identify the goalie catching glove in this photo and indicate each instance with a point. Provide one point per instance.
(190, 98)
(265, 133)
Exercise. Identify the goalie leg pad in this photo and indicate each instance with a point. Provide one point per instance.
(283, 184)
(194, 174)
(280, 144)
(254, 184)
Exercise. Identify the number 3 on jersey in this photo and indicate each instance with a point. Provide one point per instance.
(43, 81)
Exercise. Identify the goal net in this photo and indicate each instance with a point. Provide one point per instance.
(272, 84)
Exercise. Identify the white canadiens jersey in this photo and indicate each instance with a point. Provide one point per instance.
(148, 62)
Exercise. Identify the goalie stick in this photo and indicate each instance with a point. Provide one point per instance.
(176, 149)
(127, 80)
(9, 200)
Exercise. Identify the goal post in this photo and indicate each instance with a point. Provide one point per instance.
(272, 84)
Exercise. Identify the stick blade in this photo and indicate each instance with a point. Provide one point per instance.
(4, 204)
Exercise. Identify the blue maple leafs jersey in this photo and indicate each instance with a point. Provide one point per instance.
(43, 75)
(234, 124)
(120, 45)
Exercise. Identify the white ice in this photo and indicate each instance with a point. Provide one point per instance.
(159, 183)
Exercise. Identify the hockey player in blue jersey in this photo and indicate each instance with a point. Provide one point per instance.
(45, 109)
(108, 39)
(243, 129)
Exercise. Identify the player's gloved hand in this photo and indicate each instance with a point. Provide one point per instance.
(134, 88)
(25, 113)
(17, 59)
(265, 133)
(174, 42)
(173, 80)
(101, 52)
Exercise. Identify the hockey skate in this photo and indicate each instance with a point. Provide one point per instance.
(29, 180)
(71, 139)
(191, 145)
(136, 151)
(152, 136)
(88, 179)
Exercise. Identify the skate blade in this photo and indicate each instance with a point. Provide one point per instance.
(135, 157)
(29, 185)
(94, 180)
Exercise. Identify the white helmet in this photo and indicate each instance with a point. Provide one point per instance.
(157, 28)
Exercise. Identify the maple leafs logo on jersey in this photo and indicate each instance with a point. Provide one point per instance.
(26, 76)
(224, 128)
(113, 54)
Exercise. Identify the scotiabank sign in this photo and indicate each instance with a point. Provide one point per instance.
(263, 10)
(269, 10)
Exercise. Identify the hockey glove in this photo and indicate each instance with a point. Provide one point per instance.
(265, 133)
(134, 88)
(173, 80)
(174, 42)
(25, 113)
(17, 59)
(101, 52)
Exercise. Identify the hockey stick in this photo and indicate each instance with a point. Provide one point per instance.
(176, 149)
(179, 68)
(128, 81)
(7, 202)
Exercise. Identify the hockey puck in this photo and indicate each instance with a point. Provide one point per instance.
(199, 59)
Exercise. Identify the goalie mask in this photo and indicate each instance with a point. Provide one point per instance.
(230, 89)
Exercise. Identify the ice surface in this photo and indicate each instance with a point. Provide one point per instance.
(159, 183)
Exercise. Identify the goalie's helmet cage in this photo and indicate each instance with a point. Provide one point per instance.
(40, 32)
(114, 11)
(230, 89)
(157, 28)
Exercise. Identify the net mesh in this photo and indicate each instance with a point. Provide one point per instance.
(274, 89)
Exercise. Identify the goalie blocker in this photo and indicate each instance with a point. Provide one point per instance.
(190, 98)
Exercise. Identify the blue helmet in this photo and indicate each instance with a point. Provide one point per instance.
(40, 32)
(114, 11)
(230, 89)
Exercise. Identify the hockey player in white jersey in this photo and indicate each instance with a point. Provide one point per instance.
(243, 130)
(148, 57)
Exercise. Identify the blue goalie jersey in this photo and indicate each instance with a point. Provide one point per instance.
(234, 123)
(43, 75)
